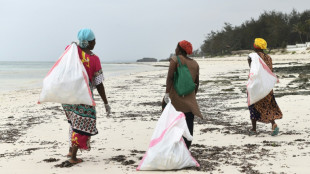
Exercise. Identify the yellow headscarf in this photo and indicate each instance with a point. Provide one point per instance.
(260, 43)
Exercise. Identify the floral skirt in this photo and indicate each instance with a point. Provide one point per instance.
(82, 118)
(266, 109)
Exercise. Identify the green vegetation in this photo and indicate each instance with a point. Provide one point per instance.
(277, 28)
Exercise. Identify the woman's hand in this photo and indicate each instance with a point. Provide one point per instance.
(107, 109)
(166, 98)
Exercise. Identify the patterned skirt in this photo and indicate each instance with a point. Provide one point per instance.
(82, 118)
(266, 109)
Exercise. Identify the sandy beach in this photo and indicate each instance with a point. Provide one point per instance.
(34, 138)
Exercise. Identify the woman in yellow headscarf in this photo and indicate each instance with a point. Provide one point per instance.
(266, 110)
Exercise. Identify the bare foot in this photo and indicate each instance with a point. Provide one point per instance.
(75, 161)
(69, 155)
(252, 132)
(69, 163)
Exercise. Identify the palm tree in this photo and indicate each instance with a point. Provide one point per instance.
(307, 28)
(299, 28)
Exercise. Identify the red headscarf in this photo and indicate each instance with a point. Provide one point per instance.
(187, 46)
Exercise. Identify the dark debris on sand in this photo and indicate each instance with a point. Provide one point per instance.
(64, 164)
(50, 160)
(243, 157)
(19, 152)
(137, 151)
(211, 158)
(12, 131)
(300, 85)
(123, 160)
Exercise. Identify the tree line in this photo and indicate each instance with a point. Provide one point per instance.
(277, 28)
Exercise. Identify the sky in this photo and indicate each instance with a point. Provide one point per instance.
(125, 30)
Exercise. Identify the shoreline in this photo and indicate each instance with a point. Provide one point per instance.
(32, 133)
(30, 76)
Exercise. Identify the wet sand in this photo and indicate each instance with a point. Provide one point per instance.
(34, 138)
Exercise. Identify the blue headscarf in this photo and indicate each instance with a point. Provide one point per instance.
(84, 36)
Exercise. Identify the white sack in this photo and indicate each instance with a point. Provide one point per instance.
(167, 149)
(261, 79)
(67, 82)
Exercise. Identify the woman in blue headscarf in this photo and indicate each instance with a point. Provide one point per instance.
(82, 118)
(85, 36)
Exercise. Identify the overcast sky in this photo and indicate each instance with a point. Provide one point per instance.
(125, 30)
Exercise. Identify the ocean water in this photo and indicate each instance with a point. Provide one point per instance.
(28, 75)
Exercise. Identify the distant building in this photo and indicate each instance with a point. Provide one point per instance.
(240, 52)
(298, 47)
(147, 60)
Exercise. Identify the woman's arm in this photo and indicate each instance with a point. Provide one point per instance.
(169, 81)
(197, 80)
(101, 91)
(271, 68)
(197, 83)
(249, 61)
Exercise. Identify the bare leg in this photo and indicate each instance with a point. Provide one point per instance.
(275, 128)
(273, 124)
(70, 152)
(73, 156)
(190, 124)
(253, 125)
(70, 144)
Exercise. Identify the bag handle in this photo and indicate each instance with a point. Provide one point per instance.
(179, 61)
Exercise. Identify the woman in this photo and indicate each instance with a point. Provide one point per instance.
(82, 118)
(186, 104)
(266, 110)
